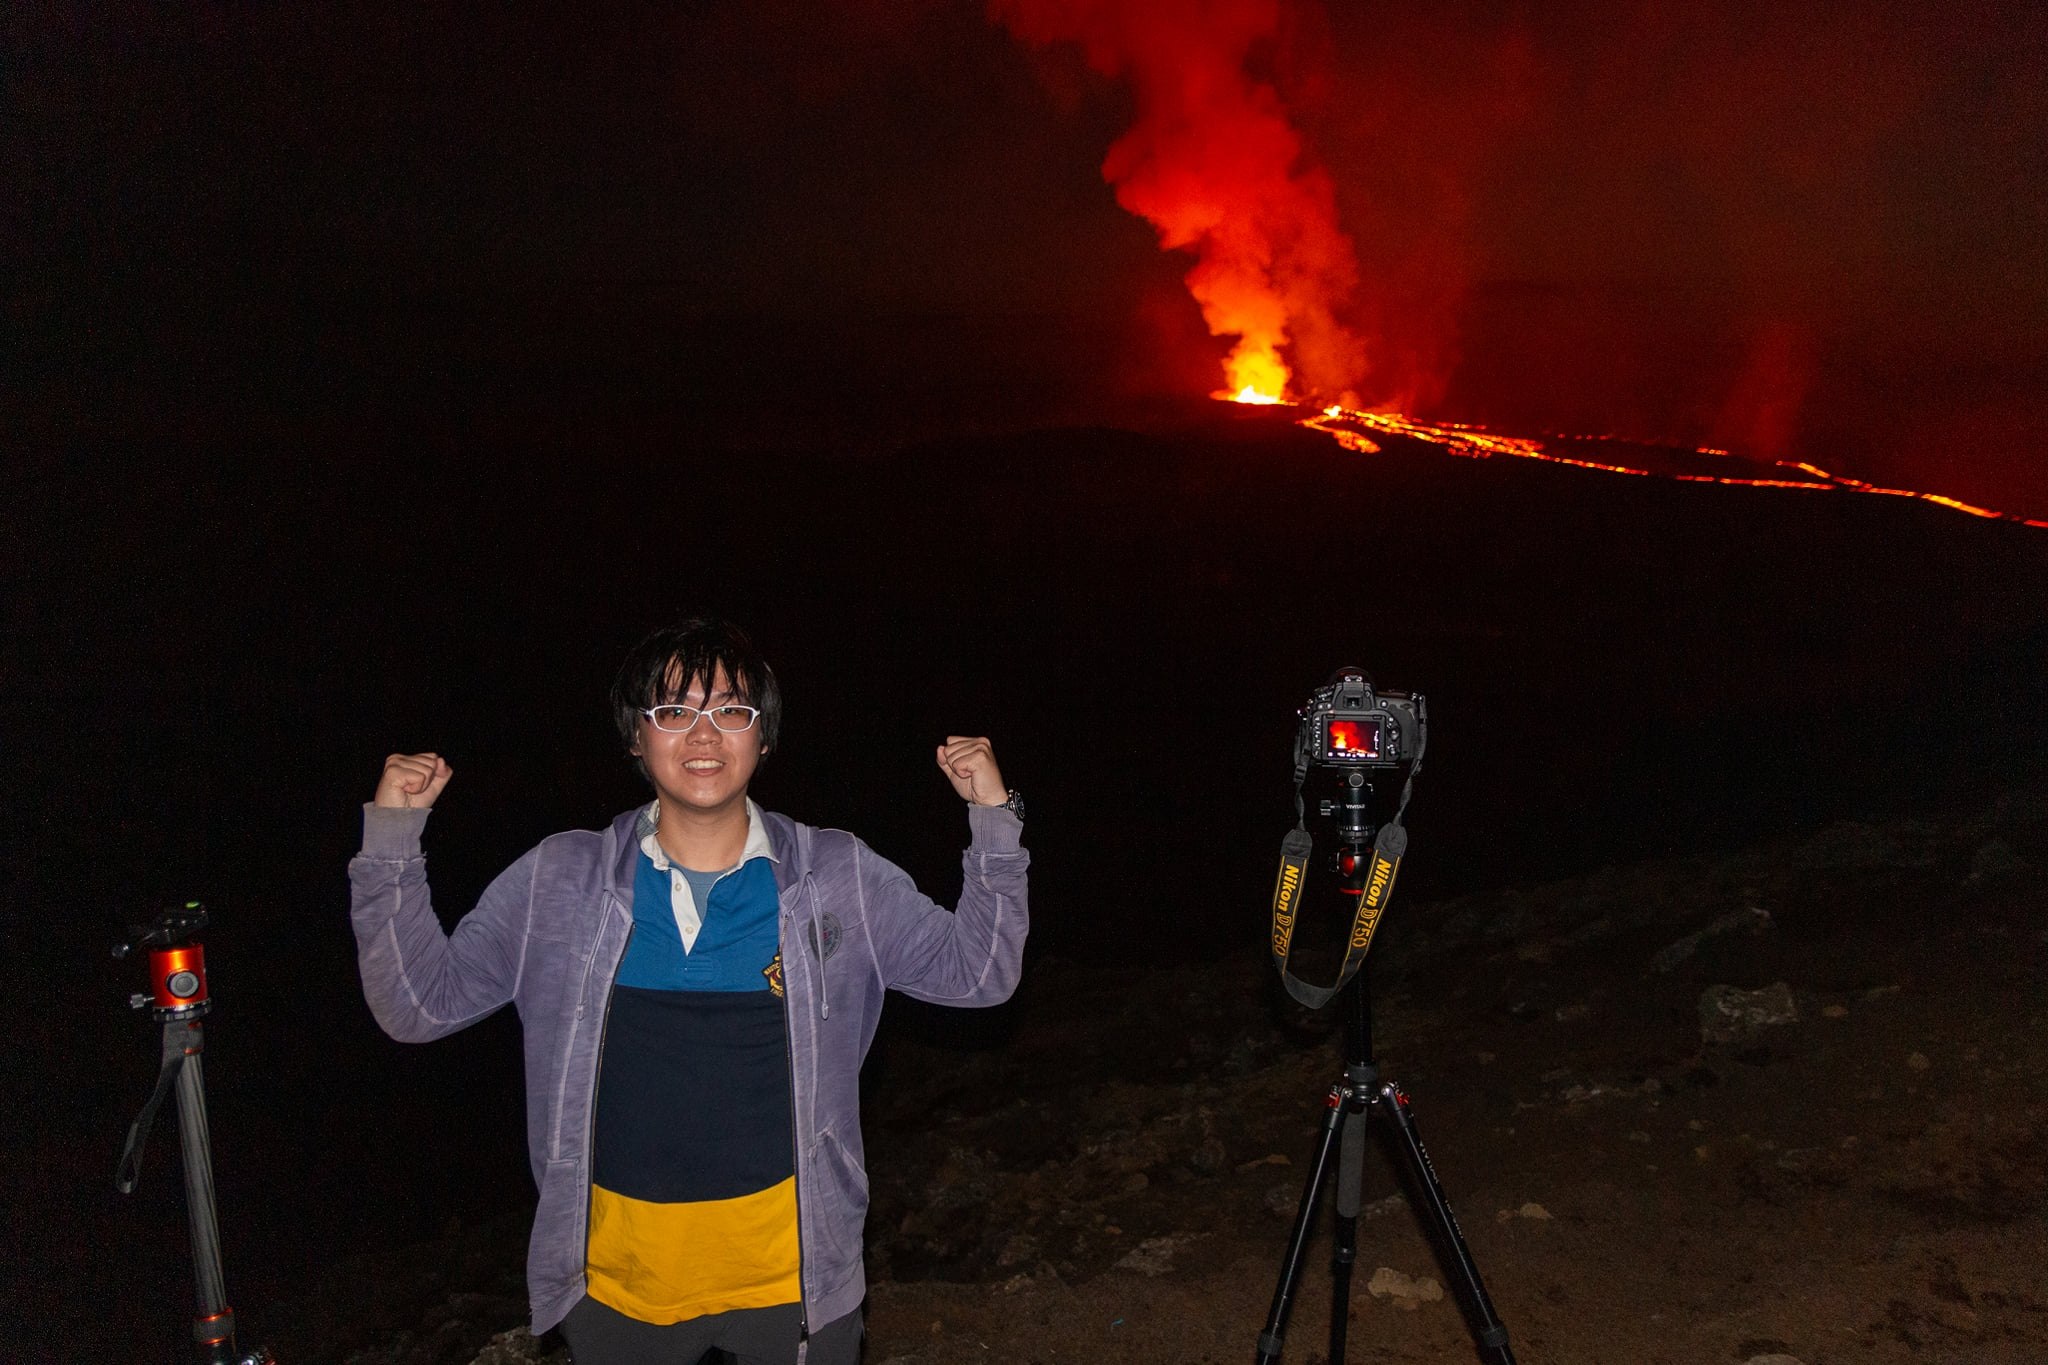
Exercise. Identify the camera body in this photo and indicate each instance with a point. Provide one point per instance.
(1347, 724)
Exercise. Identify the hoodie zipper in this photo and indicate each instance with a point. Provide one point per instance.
(795, 1126)
(796, 1157)
(604, 1019)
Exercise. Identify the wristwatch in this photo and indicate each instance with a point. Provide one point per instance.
(1014, 804)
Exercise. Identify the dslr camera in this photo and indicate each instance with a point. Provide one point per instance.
(1346, 724)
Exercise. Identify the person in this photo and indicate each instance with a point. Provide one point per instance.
(697, 986)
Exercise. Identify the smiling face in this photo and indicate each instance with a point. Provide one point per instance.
(701, 774)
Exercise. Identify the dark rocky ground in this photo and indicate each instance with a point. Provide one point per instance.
(1779, 1104)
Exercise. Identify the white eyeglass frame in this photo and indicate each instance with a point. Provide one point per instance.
(753, 716)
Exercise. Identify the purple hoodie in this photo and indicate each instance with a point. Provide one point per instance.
(548, 936)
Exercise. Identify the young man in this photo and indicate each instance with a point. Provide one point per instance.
(697, 985)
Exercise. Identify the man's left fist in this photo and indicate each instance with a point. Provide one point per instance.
(970, 765)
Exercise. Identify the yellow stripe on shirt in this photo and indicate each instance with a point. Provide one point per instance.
(666, 1263)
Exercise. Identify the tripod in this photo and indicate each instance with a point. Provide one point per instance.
(177, 969)
(1363, 1096)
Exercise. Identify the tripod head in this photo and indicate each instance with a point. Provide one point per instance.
(177, 962)
(1355, 828)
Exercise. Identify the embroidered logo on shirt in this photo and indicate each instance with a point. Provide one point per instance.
(829, 932)
(773, 971)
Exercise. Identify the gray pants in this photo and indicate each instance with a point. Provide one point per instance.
(601, 1335)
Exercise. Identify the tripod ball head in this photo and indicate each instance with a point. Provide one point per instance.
(177, 962)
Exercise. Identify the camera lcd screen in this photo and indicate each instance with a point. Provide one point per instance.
(1355, 740)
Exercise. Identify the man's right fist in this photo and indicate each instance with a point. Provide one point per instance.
(412, 780)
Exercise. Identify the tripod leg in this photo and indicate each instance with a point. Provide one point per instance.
(1350, 1184)
(1491, 1335)
(1271, 1340)
(213, 1327)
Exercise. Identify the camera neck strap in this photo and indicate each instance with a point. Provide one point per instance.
(1375, 888)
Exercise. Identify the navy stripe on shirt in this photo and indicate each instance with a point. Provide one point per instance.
(693, 1099)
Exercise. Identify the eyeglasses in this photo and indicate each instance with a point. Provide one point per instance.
(677, 720)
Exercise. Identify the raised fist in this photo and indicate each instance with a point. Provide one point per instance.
(970, 765)
(412, 780)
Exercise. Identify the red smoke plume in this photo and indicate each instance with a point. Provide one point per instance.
(1214, 163)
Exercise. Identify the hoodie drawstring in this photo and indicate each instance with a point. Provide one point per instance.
(803, 858)
(818, 944)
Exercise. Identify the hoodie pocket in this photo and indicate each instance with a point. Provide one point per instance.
(843, 1204)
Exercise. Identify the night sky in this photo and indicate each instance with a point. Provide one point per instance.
(1813, 230)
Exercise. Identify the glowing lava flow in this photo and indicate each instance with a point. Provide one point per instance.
(1354, 430)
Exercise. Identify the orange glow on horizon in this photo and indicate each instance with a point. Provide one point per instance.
(1354, 430)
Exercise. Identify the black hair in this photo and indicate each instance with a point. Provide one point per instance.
(662, 667)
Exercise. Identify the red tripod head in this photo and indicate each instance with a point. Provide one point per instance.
(178, 976)
(177, 962)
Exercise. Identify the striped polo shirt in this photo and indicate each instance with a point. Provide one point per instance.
(693, 1172)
